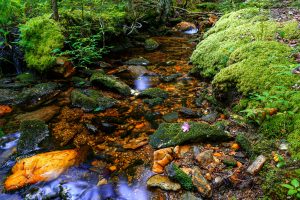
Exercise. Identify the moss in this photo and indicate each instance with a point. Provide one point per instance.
(40, 36)
(264, 146)
(256, 67)
(154, 102)
(154, 93)
(176, 174)
(33, 132)
(290, 30)
(111, 82)
(277, 126)
(245, 144)
(207, 6)
(294, 138)
(171, 134)
(26, 78)
(151, 44)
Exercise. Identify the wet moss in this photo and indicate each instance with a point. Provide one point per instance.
(171, 134)
(26, 78)
(151, 44)
(154, 93)
(111, 82)
(176, 174)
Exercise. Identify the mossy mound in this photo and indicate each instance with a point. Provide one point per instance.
(171, 134)
(40, 36)
(111, 82)
(90, 100)
(33, 132)
(154, 93)
(176, 174)
(245, 144)
(294, 138)
(26, 78)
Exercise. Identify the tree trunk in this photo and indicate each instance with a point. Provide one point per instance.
(55, 10)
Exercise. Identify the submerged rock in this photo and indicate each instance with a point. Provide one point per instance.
(154, 93)
(90, 100)
(163, 182)
(33, 132)
(44, 114)
(170, 78)
(151, 44)
(111, 82)
(138, 61)
(41, 167)
(171, 134)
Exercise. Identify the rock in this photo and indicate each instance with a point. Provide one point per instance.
(176, 174)
(231, 162)
(105, 65)
(184, 26)
(107, 128)
(180, 151)
(284, 146)
(33, 132)
(131, 72)
(91, 100)
(41, 167)
(44, 114)
(80, 82)
(170, 78)
(4, 110)
(8, 96)
(161, 159)
(205, 158)
(154, 93)
(102, 182)
(138, 61)
(163, 182)
(151, 44)
(110, 82)
(64, 68)
(171, 134)
(136, 143)
(257, 165)
(171, 117)
(203, 187)
(198, 101)
(190, 113)
(190, 196)
(212, 117)
(91, 128)
(296, 70)
(154, 102)
(218, 181)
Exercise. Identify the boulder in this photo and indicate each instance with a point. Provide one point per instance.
(41, 167)
(33, 132)
(171, 134)
(111, 82)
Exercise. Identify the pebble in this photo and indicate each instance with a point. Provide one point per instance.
(283, 147)
(257, 165)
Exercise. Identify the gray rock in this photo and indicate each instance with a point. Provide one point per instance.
(163, 182)
(171, 117)
(170, 78)
(205, 158)
(188, 112)
(211, 117)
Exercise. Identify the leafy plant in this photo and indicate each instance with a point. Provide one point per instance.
(293, 188)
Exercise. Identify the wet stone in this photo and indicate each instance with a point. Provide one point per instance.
(138, 61)
(151, 44)
(171, 117)
(163, 182)
(212, 117)
(170, 78)
(188, 112)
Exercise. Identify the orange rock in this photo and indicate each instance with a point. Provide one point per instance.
(138, 126)
(235, 146)
(162, 158)
(4, 110)
(112, 168)
(217, 154)
(41, 167)
(239, 164)
(183, 26)
(222, 116)
(157, 168)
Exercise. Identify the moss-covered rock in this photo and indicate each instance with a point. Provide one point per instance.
(207, 6)
(26, 78)
(111, 82)
(151, 44)
(154, 102)
(176, 174)
(154, 93)
(245, 144)
(33, 132)
(171, 134)
(138, 61)
(90, 100)
(7, 96)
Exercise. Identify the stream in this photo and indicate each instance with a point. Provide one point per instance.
(122, 155)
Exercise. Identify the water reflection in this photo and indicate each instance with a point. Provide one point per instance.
(142, 83)
(191, 31)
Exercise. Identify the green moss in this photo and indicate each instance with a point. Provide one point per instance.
(151, 44)
(33, 132)
(264, 146)
(154, 93)
(276, 126)
(294, 138)
(171, 134)
(176, 174)
(154, 102)
(111, 82)
(207, 6)
(40, 36)
(11, 12)
(245, 144)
